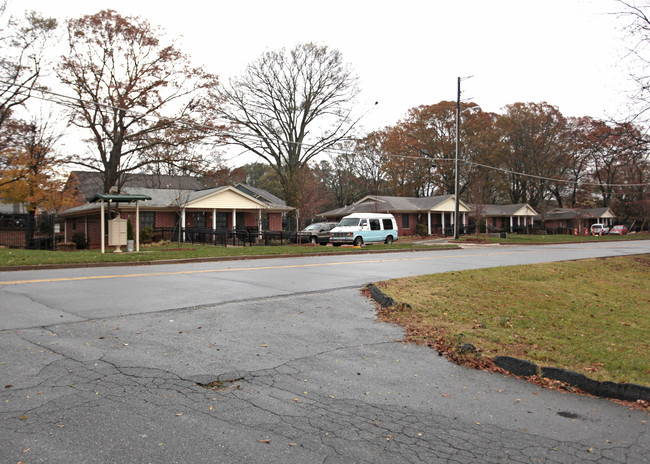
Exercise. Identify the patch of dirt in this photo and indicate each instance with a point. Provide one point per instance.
(221, 385)
(476, 240)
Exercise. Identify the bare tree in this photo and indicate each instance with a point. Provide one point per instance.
(638, 30)
(22, 43)
(132, 93)
(289, 106)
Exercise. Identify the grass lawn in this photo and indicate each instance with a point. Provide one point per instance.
(590, 316)
(20, 257)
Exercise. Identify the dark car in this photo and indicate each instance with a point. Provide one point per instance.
(318, 232)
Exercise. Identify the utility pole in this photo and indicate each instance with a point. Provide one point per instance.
(456, 204)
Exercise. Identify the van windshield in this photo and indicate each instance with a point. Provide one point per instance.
(349, 222)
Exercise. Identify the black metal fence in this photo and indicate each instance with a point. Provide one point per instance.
(225, 237)
(25, 231)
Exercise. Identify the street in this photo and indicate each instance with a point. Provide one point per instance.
(274, 360)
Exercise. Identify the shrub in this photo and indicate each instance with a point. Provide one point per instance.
(80, 240)
(422, 229)
(130, 235)
(146, 234)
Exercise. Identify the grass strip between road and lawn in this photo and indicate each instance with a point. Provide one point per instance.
(590, 316)
(544, 239)
(176, 251)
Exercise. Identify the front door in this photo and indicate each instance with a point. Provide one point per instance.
(241, 220)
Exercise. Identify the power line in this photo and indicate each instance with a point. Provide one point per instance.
(72, 102)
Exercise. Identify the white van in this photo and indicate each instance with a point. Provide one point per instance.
(360, 228)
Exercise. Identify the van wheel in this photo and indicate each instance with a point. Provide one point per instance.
(358, 241)
(389, 240)
(313, 240)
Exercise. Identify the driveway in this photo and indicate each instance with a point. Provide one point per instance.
(294, 368)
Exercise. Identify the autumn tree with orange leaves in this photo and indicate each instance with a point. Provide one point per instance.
(32, 176)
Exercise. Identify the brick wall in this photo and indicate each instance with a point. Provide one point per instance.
(275, 221)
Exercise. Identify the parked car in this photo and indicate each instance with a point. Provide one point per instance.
(360, 228)
(618, 230)
(318, 232)
(599, 229)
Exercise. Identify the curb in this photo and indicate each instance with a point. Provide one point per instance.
(40, 267)
(522, 368)
(619, 391)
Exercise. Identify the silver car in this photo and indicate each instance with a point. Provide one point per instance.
(318, 232)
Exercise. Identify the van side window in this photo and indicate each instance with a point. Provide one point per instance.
(388, 224)
(364, 224)
(374, 224)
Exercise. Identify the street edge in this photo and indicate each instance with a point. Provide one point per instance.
(523, 368)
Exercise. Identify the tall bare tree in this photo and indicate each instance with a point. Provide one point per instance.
(22, 43)
(132, 93)
(637, 25)
(289, 106)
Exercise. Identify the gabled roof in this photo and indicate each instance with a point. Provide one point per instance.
(175, 199)
(406, 204)
(202, 195)
(519, 209)
(260, 194)
(573, 213)
(389, 204)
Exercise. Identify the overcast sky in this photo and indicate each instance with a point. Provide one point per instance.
(408, 53)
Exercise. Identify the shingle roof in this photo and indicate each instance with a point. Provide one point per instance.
(502, 210)
(389, 204)
(571, 213)
(171, 198)
(90, 183)
(260, 194)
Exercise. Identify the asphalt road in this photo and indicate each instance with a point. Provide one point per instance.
(106, 364)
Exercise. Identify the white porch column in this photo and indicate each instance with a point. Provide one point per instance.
(234, 219)
(214, 219)
(259, 221)
(511, 223)
(429, 223)
(532, 219)
(137, 226)
(183, 222)
(101, 227)
(443, 222)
